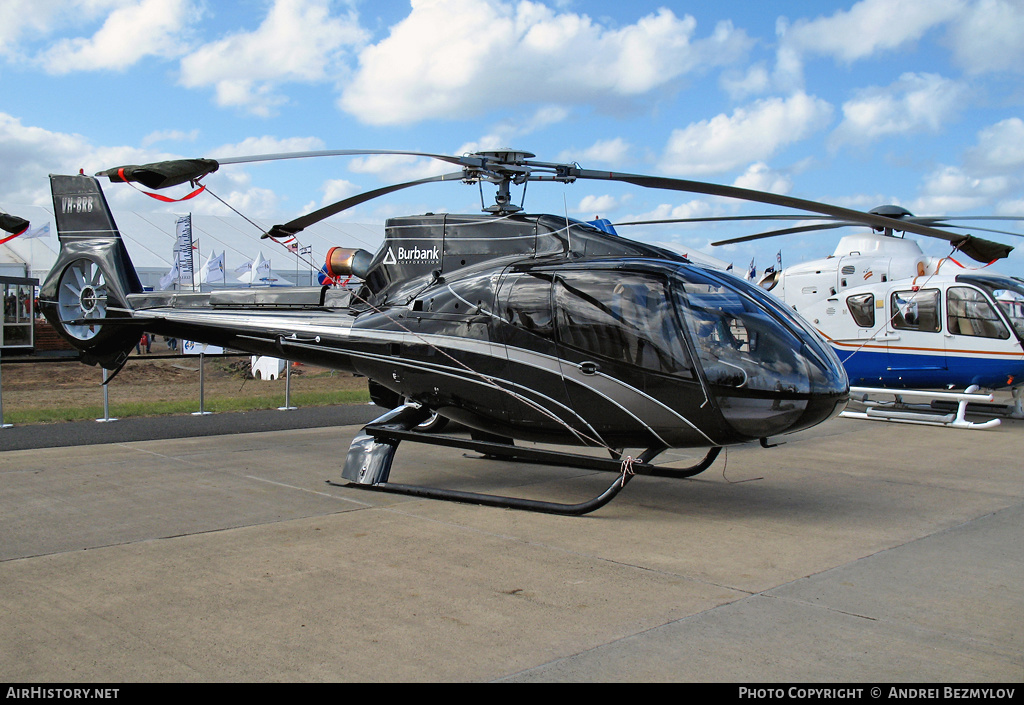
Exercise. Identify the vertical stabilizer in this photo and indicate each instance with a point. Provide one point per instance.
(89, 284)
(82, 215)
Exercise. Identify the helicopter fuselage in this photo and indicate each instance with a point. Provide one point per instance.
(897, 318)
(521, 326)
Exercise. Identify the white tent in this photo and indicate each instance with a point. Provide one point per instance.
(260, 274)
(150, 239)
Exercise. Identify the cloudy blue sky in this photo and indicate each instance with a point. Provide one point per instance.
(913, 102)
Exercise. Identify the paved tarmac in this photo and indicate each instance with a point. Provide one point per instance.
(857, 552)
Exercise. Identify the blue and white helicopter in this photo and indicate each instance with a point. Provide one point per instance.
(907, 325)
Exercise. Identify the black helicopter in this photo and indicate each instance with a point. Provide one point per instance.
(522, 327)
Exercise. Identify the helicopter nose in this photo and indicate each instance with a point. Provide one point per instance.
(830, 389)
(806, 389)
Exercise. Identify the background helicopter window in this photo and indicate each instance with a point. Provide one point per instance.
(969, 313)
(1012, 303)
(916, 310)
(1008, 294)
(862, 307)
(625, 316)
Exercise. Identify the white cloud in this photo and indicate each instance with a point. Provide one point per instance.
(298, 41)
(915, 103)
(868, 28)
(1000, 148)
(952, 190)
(130, 33)
(726, 142)
(27, 21)
(34, 152)
(507, 131)
(696, 208)
(759, 177)
(336, 190)
(400, 167)
(252, 146)
(170, 136)
(754, 81)
(989, 178)
(598, 206)
(990, 37)
(611, 151)
(452, 58)
(1011, 207)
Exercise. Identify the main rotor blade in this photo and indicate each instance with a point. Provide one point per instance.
(724, 219)
(986, 230)
(922, 220)
(845, 224)
(981, 250)
(303, 222)
(336, 153)
(944, 218)
(12, 223)
(783, 231)
(160, 175)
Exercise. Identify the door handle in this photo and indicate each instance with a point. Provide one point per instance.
(588, 368)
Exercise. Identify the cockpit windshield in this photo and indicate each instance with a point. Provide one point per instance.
(752, 350)
(1008, 294)
(739, 343)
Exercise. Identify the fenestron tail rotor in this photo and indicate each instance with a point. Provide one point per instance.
(507, 167)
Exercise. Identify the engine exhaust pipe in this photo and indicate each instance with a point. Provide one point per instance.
(347, 261)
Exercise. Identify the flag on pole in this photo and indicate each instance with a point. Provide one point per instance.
(41, 231)
(213, 269)
(168, 280)
(183, 252)
(752, 272)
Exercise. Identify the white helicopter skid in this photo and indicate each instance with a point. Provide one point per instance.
(1014, 409)
(897, 410)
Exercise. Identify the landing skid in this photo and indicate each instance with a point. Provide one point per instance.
(898, 410)
(1013, 410)
(368, 465)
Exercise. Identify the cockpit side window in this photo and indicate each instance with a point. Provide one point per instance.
(626, 316)
(916, 310)
(969, 313)
(862, 308)
(1012, 303)
(1008, 293)
(529, 305)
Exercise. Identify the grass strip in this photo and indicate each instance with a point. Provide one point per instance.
(166, 408)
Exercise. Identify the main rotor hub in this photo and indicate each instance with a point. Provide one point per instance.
(894, 212)
(506, 156)
(491, 164)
